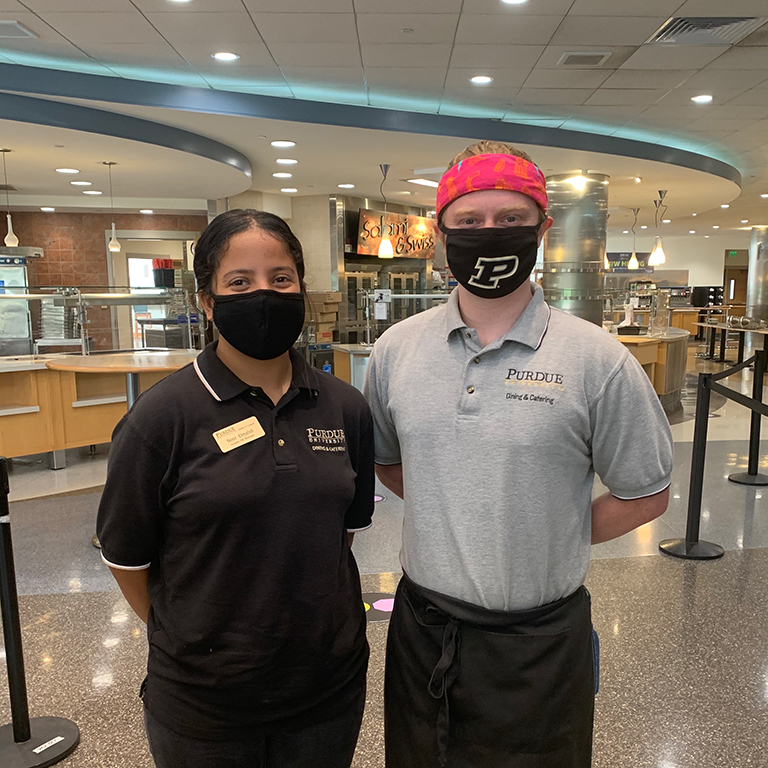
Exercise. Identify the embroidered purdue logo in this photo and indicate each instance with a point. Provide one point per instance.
(330, 440)
(490, 270)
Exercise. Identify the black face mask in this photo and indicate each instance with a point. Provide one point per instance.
(491, 262)
(261, 324)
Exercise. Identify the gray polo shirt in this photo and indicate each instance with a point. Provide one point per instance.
(500, 445)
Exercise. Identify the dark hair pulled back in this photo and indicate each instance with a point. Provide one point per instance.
(215, 240)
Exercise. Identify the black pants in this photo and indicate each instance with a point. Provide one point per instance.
(470, 688)
(329, 744)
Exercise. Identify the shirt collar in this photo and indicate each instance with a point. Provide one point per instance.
(223, 385)
(530, 328)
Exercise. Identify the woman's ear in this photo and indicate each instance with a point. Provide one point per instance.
(206, 302)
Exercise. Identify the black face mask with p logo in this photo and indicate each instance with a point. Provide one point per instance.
(494, 261)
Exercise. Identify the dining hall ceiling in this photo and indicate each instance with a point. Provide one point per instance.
(418, 55)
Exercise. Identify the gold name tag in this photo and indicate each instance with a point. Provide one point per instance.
(245, 431)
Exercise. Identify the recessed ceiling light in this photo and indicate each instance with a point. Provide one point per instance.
(225, 56)
(481, 79)
(91, 192)
(644, 226)
(81, 183)
(286, 161)
(725, 205)
(626, 232)
(431, 213)
(146, 210)
(180, 1)
(407, 30)
(67, 170)
(282, 175)
(703, 98)
(283, 144)
(666, 221)
(637, 179)
(514, 2)
(692, 231)
(764, 195)
(717, 226)
(745, 221)
(346, 186)
(423, 182)
(48, 210)
(289, 189)
(694, 214)
(706, 236)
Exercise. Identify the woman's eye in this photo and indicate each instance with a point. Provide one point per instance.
(283, 279)
(238, 283)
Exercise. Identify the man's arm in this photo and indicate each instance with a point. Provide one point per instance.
(391, 475)
(133, 585)
(612, 517)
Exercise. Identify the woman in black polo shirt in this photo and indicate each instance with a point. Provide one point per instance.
(233, 491)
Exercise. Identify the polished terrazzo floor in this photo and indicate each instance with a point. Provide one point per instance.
(684, 644)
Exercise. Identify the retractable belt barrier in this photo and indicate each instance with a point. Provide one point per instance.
(24, 743)
(691, 547)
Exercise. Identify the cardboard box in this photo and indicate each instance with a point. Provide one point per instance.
(327, 297)
(324, 336)
(327, 317)
(323, 308)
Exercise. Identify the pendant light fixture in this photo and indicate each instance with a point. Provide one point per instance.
(386, 251)
(10, 239)
(633, 262)
(114, 245)
(658, 257)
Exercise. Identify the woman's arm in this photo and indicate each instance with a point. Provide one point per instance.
(133, 585)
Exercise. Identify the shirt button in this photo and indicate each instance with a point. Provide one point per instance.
(253, 393)
(477, 361)
(469, 335)
(470, 390)
(281, 442)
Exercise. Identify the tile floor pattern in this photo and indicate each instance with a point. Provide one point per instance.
(684, 645)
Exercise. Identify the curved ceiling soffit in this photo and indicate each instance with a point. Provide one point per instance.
(16, 77)
(27, 109)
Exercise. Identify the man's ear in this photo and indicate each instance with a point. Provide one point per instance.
(439, 234)
(545, 225)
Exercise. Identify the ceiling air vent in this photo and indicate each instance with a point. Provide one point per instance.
(705, 30)
(14, 29)
(584, 59)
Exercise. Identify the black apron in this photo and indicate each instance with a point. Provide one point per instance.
(466, 687)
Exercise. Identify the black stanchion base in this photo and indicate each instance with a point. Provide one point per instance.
(53, 739)
(744, 478)
(701, 550)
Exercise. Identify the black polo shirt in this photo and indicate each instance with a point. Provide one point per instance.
(256, 611)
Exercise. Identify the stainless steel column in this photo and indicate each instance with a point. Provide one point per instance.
(757, 285)
(574, 249)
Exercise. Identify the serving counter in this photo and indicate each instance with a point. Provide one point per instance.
(51, 403)
(664, 360)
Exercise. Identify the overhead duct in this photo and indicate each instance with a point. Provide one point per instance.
(706, 30)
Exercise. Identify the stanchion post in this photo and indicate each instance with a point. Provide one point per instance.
(752, 476)
(9, 605)
(25, 743)
(691, 548)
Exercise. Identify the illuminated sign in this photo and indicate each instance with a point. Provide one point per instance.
(412, 237)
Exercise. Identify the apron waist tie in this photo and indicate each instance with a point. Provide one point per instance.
(443, 677)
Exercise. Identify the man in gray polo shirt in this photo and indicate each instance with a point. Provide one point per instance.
(492, 416)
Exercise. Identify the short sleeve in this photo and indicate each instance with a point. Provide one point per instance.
(386, 443)
(131, 511)
(632, 448)
(360, 512)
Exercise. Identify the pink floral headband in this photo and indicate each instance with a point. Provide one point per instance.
(491, 172)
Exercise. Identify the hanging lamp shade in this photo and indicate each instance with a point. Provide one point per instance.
(10, 239)
(633, 262)
(386, 251)
(114, 244)
(657, 257)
